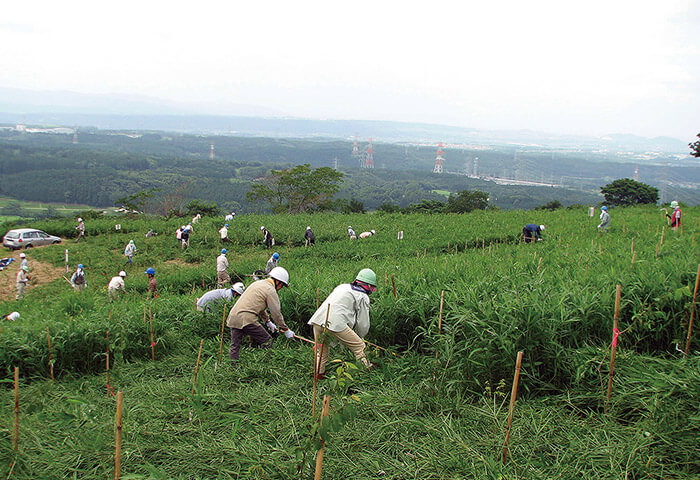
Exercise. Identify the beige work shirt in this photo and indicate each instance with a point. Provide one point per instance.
(251, 306)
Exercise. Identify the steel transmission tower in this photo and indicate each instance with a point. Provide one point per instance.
(439, 159)
(369, 156)
(211, 152)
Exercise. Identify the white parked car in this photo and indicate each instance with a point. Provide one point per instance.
(28, 238)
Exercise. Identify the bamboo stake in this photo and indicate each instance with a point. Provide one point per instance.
(663, 232)
(634, 255)
(15, 436)
(144, 314)
(317, 360)
(48, 342)
(393, 284)
(692, 313)
(299, 337)
(437, 352)
(317, 297)
(513, 397)
(118, 437)
(221, 342)
(616, 332)
(196, 368)
(539, 264)
(319, 455)
(109, 387)
(153, 344)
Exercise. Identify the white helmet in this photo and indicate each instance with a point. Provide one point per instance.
(373, 232)
(349, 226)
(279, 273)
(22, 255)
(122, 274)
(238, 288)
(262, 227)
(542, 227)
(674, 204)
(80, 219)
(13, 316)
(308, 228)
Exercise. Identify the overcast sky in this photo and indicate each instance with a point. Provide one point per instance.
(593, 67)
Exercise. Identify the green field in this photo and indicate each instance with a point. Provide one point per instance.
(434, 407)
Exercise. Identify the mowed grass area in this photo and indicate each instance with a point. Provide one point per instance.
(434, 408)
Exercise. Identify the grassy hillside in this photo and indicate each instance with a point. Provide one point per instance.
(434, 408)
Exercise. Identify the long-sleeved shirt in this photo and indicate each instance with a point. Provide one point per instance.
(221, 263)
(351, 232)
(260, 295)
(116, 283)
(675, 217)
(533, 229)
(23, 263)
(271, 263)
(309, 235)
(153, 286)
(604, 220)
(129, 250)
(213, 296)
(223, 231)
(22, 277)
(349, 307)
(78, 277)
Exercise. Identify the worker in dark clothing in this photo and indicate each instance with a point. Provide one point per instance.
(309, 237)
(269, 241)
(532, 232)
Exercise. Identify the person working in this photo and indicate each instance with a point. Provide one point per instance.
(243, 318)
(309, 237)
(532, 231)
(222, 276)
(348, 317)
(116, 284)
(152, 283)
(604, 219)
(129, 251)
(223, 232)
(12, 316)
(272, 262)
(21, 282)
(213, 297)
(81, 230)
(351, 233)
(269, 241)
(77, 280)
(367, 234)
(675, 215)
(23, 260)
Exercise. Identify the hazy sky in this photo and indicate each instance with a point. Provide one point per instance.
(593, 67)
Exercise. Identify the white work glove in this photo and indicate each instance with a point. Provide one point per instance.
(271, 326)
(289, 333)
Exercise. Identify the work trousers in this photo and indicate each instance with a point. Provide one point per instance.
(257, 334)
(222, 278)
(113, 293)
(347, 337)
(20, 290)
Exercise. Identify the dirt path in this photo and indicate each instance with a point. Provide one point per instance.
(39, 274)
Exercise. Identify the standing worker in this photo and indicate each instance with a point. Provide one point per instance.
(129, 252)
(351, 233)
(348, 317)
(212, 297)
(604, 219)
(223, 231)
(81, 230)
(269, 241)
(272, 262)
(152, 283)
(532, 231)
(116, 284)
(23, 262)
(243, 317)
(22, 280)
(77, 280)
(222, 276)
(309, 237)
(185, 236)
(675, 216)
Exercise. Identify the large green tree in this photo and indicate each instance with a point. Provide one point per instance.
(626, 191)
(298, 189)
(466, 201)
(695, 147)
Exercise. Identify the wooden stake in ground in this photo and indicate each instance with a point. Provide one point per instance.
(437, 352)
(118, 437)
(15, 436)
(196, 368)
(393, 284)
(221, 342)
(317, 360)
(319, 455)
(48, 342)
(692, 313)
(153, 343)
(663, 232)
(616, 333)
(513, 397)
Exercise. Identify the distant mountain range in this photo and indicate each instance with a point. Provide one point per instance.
(132, 112)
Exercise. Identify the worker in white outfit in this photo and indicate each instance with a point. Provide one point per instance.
(222, 276)
(348, 317)
(367, 234)
(351, 233)
(213, 297)
(23, 263)
(115, 285)
(223, 232)
(22, 280)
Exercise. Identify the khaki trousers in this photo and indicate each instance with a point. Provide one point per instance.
(347, 337)
(222, 278)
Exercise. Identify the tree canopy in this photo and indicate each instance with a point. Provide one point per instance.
(466, 200)
(298, 189)
(626, 191)
(695, 147)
